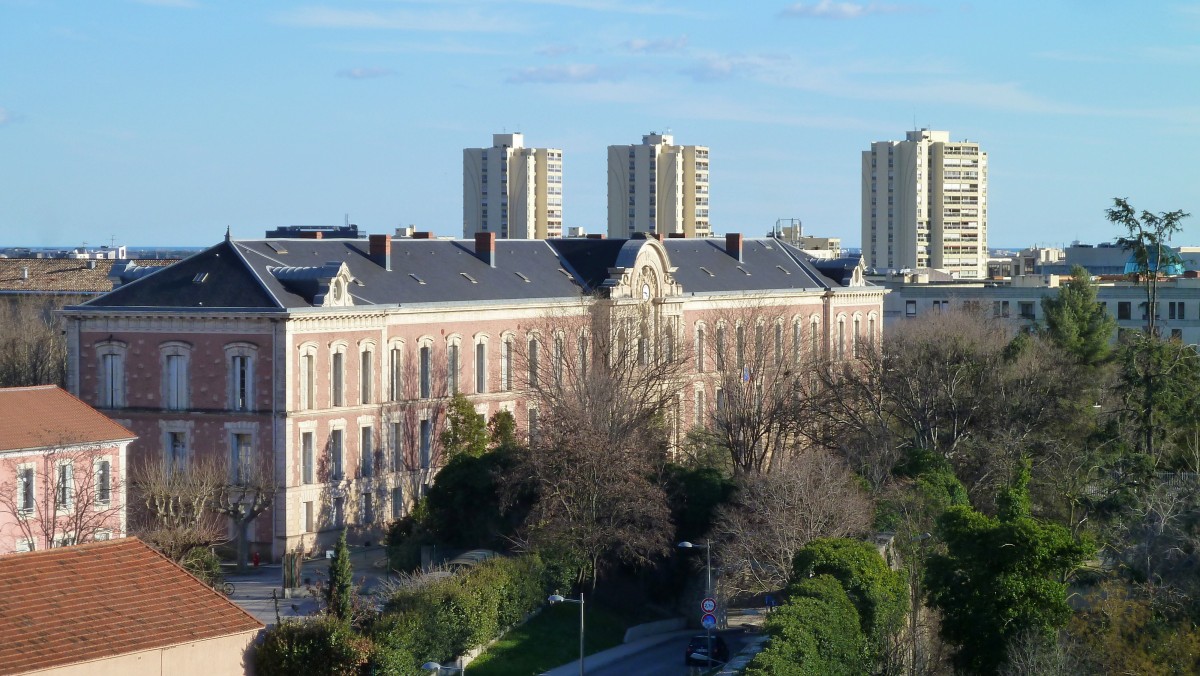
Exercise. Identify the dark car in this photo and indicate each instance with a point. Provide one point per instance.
(697, 651)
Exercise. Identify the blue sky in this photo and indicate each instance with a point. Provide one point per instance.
(160, 122)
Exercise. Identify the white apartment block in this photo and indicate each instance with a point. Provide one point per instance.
(924, 205)
(658, 187)
(512, 191)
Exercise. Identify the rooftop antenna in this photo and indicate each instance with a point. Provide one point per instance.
(346, 221)
(227, 233)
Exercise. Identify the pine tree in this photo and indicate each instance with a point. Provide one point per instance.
(339, 595)
(1076, 322)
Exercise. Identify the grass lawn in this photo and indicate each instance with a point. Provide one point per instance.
(548, 640)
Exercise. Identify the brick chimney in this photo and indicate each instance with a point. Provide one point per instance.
(485, 247)
(733, 245)
(381, 251)
(422, 235)
(310, 235)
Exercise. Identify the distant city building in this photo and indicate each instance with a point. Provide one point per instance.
(658, 187)
(349, 231)
(924, 205)
(71, 279)
(512, 191)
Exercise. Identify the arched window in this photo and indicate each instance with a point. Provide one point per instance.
(700, 348)
(176, 358)
(110, 356)
(453, 364)
(337, 374)
(308, 376)
(425, 366)
(239, 362)
(481, 364)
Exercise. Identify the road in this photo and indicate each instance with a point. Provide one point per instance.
(666, 659)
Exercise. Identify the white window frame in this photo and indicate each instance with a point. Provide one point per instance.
(110, 387)
(98, 475)
(481, 364)
(306, 369)
(337, 376)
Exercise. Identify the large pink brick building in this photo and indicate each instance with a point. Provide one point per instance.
(330, 360)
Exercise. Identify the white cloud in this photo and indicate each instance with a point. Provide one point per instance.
(5, 117)
(644, 8)
(565, 74)
(556, 50)
(365, 73)
(465, 21)
(660, 46)
(831, 9)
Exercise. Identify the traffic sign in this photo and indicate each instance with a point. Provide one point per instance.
(708, 605)
(708, 621)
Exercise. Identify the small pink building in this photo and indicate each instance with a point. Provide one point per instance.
(62, 470)
(330, 361)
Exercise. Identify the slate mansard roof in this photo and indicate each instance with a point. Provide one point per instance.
(288, 274)
(76, 604)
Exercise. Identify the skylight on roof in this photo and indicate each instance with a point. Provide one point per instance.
(707, 271)
(419, 280)
(200, 278)
(744, 270)
(526, 279)
(785, 270)
(469, 278)
(277, 247)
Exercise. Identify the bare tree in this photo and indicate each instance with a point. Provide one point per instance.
(65, 496)
(32, 348)
(766, 385)
(173, 512)
(602, 384)
(773, 515)
(248, 491)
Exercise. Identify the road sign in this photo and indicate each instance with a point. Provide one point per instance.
(708, 605)
(708, 621)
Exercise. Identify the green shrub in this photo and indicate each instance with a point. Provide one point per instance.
(201, 562)
(877, 591)
(320, 646)
(816, 632)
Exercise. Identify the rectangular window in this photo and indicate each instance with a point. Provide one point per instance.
(335, 455)
(452, 368)
(364, 376)
(741, 348)
(176, 385)
(506, 365)
(339, 512)
(240, 457)
(25, 489)
(481, 368)
(24, 546)
(337, 379)
(308, 377)
(103, 482)
(395, 383)
(720, 348)
(397, 448)
(1124, 310)
(306, 457)
(533, 421)
(367, 452)
(397, 502)
(112, 393)
(534, 346)
(426, 365)
(309, 525)
(176, 451)
(1175, 310)
(701, 409)
(1176, 334)
(64, 489)
(1025, 308)
(240, 373)
(558, 362)
(910, 308)
(368, 508)
(779, 344)
(426, 444)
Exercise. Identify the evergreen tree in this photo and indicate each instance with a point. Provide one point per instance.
(1076, 322)
(466, 432)
(339, 595)
(1000, 578)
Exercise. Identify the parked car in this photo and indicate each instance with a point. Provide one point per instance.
(697, 650)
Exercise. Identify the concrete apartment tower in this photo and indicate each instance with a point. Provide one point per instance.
(658, 187)
(924, 204)
(512, 191)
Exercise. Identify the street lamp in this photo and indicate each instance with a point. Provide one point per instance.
(707, 547)
(437, 668)
(558, 598)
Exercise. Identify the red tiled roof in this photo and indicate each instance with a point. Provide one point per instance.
(94, 601)
(60, 275)
(47, 415)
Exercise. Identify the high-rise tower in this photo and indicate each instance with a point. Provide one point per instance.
(658, 187)
(511, 190)
(924, 204)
